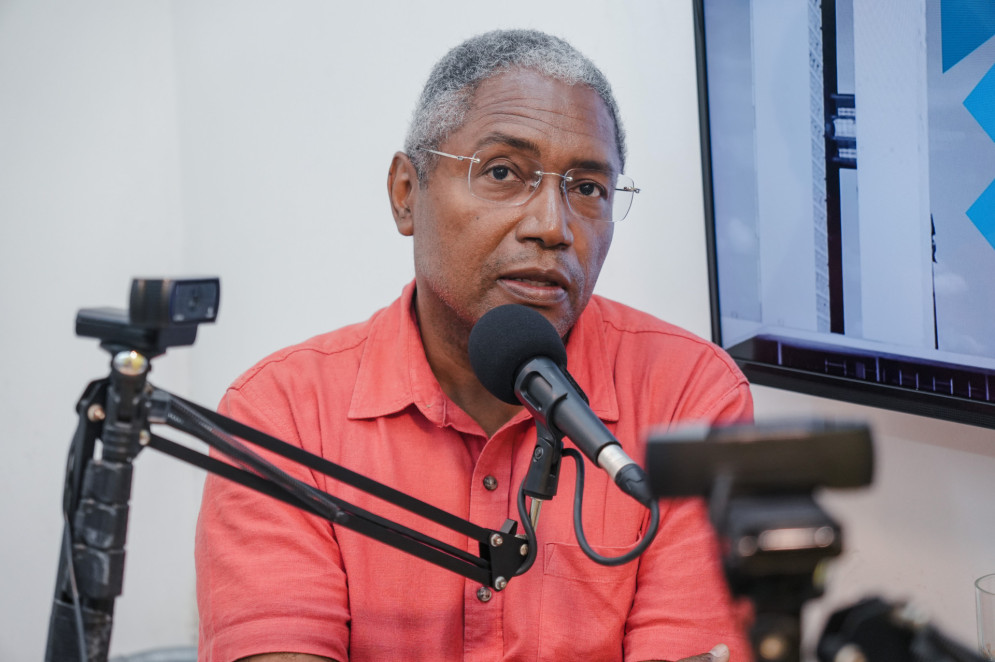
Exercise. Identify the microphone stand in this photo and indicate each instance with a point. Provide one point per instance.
(543, 477)
(118, 411)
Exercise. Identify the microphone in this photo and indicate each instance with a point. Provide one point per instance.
(519, 357)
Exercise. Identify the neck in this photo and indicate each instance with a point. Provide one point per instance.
(446, 351)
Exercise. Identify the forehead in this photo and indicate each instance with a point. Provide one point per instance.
(557, 121)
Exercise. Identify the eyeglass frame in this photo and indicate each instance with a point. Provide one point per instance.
(540, 173)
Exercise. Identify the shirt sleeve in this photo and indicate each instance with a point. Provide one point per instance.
(269, 576)
(682, 604)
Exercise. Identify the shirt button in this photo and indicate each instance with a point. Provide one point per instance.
(484, 594)
(490, 482)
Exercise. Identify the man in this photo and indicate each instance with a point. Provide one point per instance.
(503, 190)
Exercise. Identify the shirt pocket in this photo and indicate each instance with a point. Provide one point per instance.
(584, 605)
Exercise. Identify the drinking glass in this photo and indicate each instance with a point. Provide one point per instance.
(985, 593)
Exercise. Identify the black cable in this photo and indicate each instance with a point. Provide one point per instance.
(530, 532)
(67, 547)
(70, 496)
(628, 556)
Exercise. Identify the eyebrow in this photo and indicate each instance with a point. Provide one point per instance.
(532, 148)
(521, 144)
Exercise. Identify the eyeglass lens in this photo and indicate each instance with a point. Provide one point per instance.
(511, 179)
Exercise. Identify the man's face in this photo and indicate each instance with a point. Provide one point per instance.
(472, 255)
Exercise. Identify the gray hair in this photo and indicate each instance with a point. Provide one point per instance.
(448, 93)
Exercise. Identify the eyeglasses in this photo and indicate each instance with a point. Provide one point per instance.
(504, 177)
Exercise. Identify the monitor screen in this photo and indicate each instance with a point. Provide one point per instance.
(849, 162)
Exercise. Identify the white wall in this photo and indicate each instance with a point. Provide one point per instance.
(89, 196)
(251, 140)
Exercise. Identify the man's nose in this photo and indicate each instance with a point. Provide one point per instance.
(547, 214)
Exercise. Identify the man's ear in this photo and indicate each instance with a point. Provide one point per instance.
(402, 188)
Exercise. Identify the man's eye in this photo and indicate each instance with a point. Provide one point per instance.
(589, 189)
(500, 172)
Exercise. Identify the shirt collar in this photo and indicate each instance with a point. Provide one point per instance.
(394, 372)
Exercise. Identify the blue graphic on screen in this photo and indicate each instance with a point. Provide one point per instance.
(982, 214)
(981, 104)
(967, 25)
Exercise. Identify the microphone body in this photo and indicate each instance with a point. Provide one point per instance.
(519, 357)
(553, 398)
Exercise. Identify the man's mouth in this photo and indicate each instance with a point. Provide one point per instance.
(534, 282)
(535, 288)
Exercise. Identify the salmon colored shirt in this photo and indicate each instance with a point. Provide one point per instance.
(271, 578)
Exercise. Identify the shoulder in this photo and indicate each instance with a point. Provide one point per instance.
(330, 354)
(633, 330)
(684, 375)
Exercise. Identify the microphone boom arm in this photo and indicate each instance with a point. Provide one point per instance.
(495, 563)
(119, 410)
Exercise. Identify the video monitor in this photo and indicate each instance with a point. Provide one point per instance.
(849, 166)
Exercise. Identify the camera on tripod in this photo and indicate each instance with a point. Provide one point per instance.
(162, 313)
(776, 539)
(759, 481)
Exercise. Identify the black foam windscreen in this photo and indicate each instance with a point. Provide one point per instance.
(504, 339)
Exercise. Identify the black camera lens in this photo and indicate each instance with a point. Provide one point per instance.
(195, 302)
